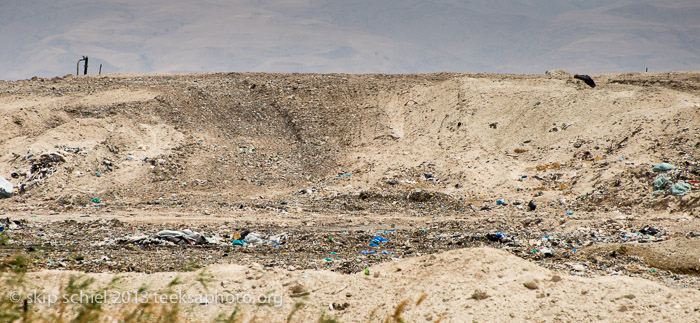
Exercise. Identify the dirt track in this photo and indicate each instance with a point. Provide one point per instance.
(430, 162)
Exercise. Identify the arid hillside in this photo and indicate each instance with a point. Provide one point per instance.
(133, 141)
(591, 183)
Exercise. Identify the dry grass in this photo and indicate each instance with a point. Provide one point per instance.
(13, 271)
(421, 299)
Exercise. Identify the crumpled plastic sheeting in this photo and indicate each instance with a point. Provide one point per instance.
(681, 188)
(661, 182)
(182, 236)
(6, 188)
(280, 238)
(255, 239)
(662, 167)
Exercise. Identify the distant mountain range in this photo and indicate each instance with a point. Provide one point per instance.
(46, 37)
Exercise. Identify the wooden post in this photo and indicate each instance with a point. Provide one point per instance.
(100, 73)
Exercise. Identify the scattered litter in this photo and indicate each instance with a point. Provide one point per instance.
(253, 240)
(183, 236)
(661, 182)
(547, 252)
(214, 240)
(531, 205)
(663, 167)
(6, 188)
(280, 238)
(496, 237)
(41, 168)
(680, 188)
(139, 240)
(375, 242)
(649, 230)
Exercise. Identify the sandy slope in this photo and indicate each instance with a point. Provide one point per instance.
(345, 156)
(447, 279)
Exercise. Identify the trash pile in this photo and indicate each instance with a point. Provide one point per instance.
(663, 183)
(41, 167)
(252, 239)
(7, 224)
(182, 237)
(164, 237)
(118, 246)
(189, 237)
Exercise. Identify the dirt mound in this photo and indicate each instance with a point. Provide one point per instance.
(251, 135)
(542, 166)
(456, 286)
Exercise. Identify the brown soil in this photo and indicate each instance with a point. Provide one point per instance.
(438, 164)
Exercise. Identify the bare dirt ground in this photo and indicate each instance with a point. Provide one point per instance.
(485, 187)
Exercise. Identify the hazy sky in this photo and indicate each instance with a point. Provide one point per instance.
(46, 37)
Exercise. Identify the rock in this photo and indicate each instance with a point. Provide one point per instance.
(479, 295)
(6, 188)
(531, 285)
(339, 306)
(531, 205)
(578, 267)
